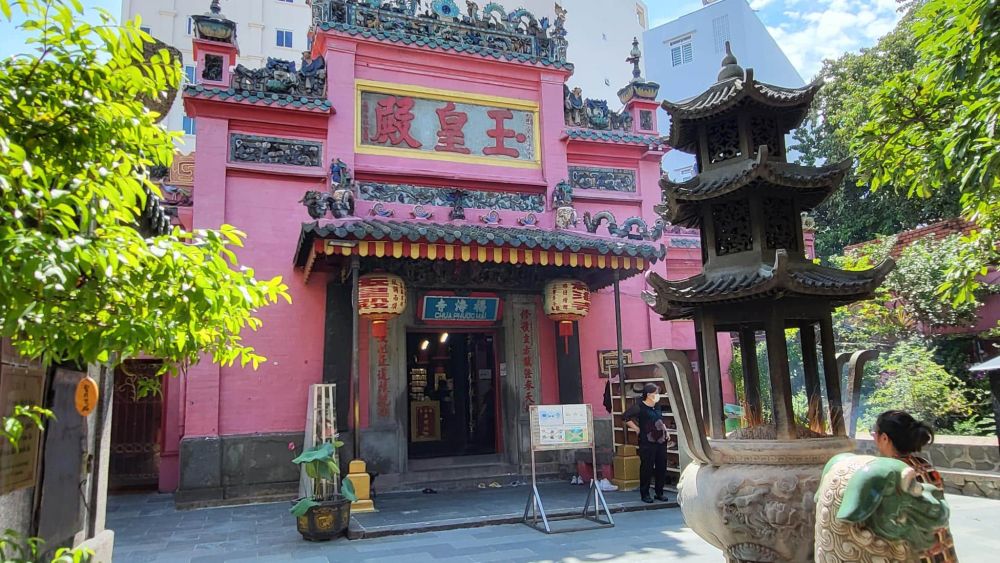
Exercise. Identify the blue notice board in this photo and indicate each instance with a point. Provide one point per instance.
(453, 308)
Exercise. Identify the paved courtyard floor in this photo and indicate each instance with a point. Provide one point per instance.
(149, 529)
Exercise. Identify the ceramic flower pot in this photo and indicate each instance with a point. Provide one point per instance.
(326, 521)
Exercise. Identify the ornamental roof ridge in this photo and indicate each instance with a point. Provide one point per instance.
(788, 276)
(233, 95)
(619, 137)
(815, 183)
(516, 36)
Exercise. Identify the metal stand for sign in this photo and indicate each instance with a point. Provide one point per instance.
(595, 509)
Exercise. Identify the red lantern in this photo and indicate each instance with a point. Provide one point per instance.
(566, 301)
(381, 297)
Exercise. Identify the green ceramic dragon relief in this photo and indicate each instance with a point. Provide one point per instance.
(874, 509)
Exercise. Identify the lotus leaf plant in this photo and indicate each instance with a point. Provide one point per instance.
(321, 466)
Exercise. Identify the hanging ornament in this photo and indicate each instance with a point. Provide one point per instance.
(566, 301)
(381, 297)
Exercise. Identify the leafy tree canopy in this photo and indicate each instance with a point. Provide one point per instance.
(913, 381)
(79, 282)
(938, 125)
(855, 214)
(908, 301)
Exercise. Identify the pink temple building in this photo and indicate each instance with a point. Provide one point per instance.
(451, 150)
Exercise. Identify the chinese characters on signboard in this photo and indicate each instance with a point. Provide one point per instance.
(425, 421)
(382, 377)
(529, 368)
(462, 309)
(444, 127)
(607, 361)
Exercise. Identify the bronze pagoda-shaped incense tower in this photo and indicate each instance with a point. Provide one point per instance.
(747, 201)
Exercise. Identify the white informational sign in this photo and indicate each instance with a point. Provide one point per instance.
(561, 427)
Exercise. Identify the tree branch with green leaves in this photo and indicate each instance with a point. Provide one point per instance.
(80, 283)
(938, 125)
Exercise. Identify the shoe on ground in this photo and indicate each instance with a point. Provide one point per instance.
(495, 485)
(606, 485)
(661, 498)
(647, 500)
(573, 481)
(481, 485)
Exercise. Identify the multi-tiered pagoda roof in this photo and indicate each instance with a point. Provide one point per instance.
(747, 200)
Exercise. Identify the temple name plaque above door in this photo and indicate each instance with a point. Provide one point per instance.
(474, 309)
(414, 122)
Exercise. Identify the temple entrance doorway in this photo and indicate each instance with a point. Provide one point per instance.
(453, 394)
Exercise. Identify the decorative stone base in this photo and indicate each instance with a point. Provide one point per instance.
(233, 469)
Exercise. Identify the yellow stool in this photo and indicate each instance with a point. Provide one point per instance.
(362, 482)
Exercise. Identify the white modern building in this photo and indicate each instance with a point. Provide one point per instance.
(600, 38)
(684, 57)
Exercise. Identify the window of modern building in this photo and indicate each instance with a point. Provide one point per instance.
(681, 51)
(684, 174)
(189, 125)
(190, 26)
(640, 14)
(189, 74)
(284, 38)
(145, 28)
(720, 32)
(286, 1)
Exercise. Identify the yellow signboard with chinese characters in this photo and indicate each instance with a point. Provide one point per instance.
(432, 124)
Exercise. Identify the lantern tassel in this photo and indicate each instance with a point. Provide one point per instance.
(566, 330)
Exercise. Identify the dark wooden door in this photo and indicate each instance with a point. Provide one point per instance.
(135, 430)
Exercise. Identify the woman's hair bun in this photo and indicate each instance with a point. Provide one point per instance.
(907, 434)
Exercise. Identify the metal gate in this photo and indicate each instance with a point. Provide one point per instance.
(135, 430)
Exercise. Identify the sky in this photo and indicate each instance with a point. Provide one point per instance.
(807, 30)
(12, 39)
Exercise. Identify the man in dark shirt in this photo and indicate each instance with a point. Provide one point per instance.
(646, 418)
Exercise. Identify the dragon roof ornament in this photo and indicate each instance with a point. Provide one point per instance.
(441, 23)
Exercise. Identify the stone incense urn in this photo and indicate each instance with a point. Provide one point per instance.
(750, 495)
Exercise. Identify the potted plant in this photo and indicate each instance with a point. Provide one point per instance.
(326, 514)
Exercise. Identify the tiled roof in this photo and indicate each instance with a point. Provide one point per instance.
(798, 277)
(257, 98)
(616, 137)
(811, 184)
(483, 235)
(790, 105)
(438, 43)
